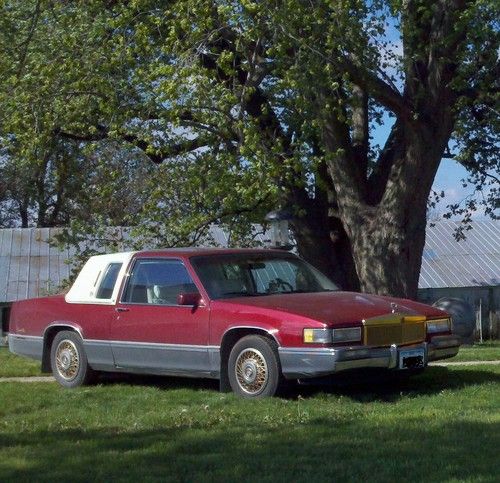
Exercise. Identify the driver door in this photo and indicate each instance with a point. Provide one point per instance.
(150, 331)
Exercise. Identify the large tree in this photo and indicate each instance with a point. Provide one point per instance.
(275, 102)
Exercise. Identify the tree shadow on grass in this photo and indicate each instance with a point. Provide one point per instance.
(380, 386)
(160, 382)
(322, 449)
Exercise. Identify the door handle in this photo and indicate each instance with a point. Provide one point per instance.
(121, 309)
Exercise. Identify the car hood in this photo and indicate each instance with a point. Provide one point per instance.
(332, 307)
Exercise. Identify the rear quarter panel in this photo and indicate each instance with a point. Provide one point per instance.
(35, 322)
(32, 317)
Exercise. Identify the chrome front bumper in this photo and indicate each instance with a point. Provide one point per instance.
(443, 347)
(300, 362)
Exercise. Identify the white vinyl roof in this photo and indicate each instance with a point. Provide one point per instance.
(83, 290)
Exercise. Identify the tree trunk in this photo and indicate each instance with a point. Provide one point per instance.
(328, 249)
(387, 238)
(23, 213)
(387, 251)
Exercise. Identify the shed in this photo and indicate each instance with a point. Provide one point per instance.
(467, 269)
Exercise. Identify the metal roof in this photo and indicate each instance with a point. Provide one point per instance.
(30, 267)
(472, 262)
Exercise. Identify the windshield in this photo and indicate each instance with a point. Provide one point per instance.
(238, 275)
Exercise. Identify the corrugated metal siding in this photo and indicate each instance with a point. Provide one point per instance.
(472, 262)
(30, 267)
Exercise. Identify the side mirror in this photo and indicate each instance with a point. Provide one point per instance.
(192, 298)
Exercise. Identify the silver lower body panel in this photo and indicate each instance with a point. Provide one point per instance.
(25, 345)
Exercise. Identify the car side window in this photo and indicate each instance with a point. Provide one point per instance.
(158, 282)
(105, 290)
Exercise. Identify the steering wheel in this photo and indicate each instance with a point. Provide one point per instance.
(278, 283)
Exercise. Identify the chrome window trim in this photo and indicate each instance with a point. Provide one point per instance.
(161, 305)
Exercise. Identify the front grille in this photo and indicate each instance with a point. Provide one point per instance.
(398, 333)
(414, 332)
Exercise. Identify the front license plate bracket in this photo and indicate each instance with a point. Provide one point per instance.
(412, 358)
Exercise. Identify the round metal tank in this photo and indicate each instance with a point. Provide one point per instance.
(462, 313)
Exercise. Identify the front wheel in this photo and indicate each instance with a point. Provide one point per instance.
(69, 361)
(253, 367)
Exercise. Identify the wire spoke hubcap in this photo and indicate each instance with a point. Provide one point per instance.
(251, 371)
(67, 360)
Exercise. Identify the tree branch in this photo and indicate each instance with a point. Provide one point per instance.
(381, 92)
(31, 32)
(348, 179)
(392, 150)
(360, 127)
(217, 217)
(102, 133)
(255, 103)
(157, 155)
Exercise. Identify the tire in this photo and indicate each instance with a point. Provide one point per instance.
(68, 360)
(253, 368)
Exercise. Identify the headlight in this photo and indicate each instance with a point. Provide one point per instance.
(346, 335)
(327, 336)
(441, 325)
(318, 336)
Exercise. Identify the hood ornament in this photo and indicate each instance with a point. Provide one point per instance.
(394, 307)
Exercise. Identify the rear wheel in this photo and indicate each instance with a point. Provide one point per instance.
(68, 360)
(253, 367)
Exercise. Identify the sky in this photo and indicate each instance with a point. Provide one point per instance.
(448, 179)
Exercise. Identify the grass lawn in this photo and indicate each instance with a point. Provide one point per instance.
(487, 351)
(443, 425)
(12, 365)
